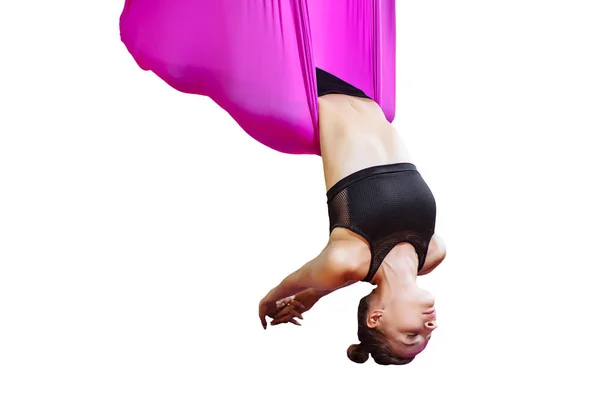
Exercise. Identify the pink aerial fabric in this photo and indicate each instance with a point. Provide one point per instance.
(256, 58)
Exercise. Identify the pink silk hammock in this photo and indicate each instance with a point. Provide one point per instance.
(256, 59)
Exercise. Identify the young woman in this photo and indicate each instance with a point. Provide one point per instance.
(382, 221)
(382, 214)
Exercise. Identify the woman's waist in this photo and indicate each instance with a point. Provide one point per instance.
(352, 151)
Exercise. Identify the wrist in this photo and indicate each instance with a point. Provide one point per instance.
(319, 293)
(269, 297)
(274, 295)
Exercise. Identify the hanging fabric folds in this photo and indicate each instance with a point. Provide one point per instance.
(256, 58)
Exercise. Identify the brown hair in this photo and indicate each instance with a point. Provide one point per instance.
(372, 341)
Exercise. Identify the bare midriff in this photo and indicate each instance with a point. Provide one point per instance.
(355, 135)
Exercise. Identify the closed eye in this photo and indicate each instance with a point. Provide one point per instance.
(412, 339)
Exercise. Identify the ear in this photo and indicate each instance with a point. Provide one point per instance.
(374, 318)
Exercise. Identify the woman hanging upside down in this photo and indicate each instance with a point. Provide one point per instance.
(382, 214)
(382, 221)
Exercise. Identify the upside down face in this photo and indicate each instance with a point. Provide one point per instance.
(408, 321)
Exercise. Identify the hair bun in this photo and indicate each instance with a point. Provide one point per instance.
(358, 353)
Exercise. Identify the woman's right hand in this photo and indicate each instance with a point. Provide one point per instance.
(293, 307)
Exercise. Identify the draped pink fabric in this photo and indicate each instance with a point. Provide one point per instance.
(256, 58)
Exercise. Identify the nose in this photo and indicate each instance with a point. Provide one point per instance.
(431, 325)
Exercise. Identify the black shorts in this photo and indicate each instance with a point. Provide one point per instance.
(330, 84)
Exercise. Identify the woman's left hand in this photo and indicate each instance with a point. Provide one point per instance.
(276, 309)
(293, 307)
(288, 312)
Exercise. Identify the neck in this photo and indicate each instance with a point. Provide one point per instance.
(398, 271)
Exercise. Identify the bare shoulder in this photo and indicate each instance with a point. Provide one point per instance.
(348, 254)
(435, 255)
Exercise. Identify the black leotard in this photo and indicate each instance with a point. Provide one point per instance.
(386, 204)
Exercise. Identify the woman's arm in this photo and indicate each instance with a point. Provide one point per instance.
(323, 293)
(329, 271)
(290, 308)
(325, 274)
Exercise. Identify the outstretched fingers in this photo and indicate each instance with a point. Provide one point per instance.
(289, 314)
(285, 319)
(294, 305)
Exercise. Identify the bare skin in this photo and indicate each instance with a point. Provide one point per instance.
(354, 135)
(292, 307)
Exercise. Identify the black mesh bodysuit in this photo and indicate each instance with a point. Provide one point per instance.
(386, 205)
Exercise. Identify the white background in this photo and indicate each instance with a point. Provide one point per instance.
(140, 227)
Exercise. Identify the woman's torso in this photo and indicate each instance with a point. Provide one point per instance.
(355, 135)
